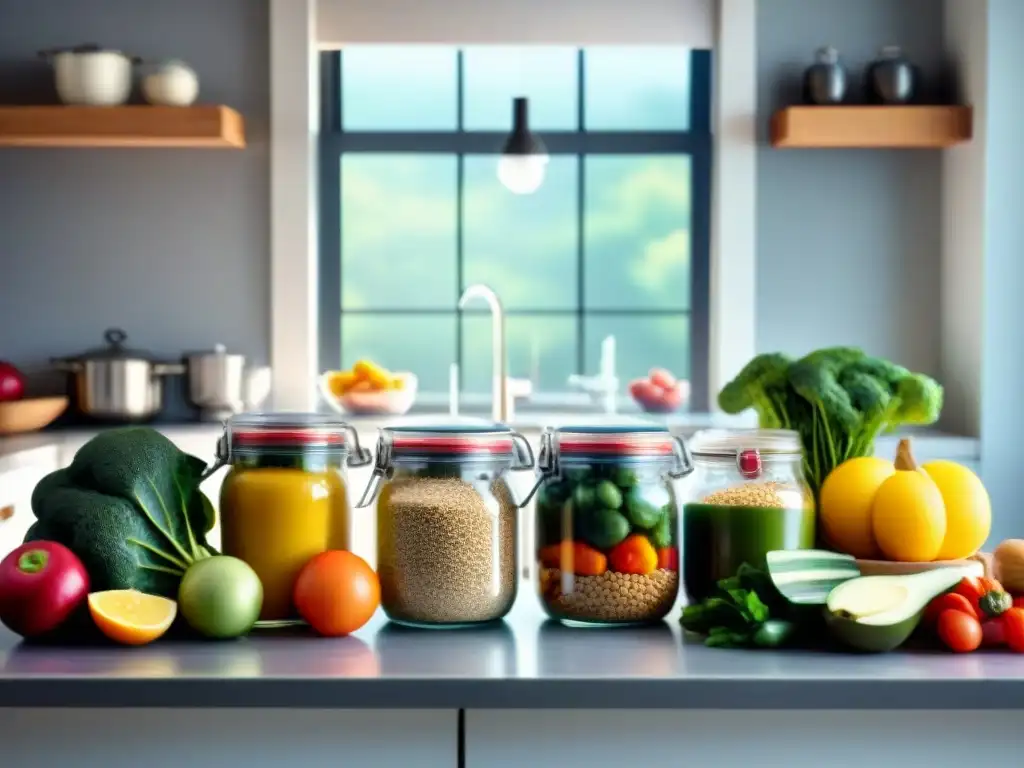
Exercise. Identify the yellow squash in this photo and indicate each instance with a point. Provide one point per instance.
(845, 501)
(908, 515)
(870, 508)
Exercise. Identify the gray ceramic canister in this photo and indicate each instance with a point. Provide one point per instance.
(825, 80)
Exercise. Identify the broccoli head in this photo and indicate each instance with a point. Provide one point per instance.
(755, 387)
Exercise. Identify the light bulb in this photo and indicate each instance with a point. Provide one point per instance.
(522, 174)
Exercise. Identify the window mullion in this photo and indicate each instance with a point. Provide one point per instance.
(460, 186)
(581, 195)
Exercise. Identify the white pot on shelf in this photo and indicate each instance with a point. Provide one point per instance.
(88, 75)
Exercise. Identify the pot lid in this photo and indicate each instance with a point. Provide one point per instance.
(729, 442)
(218, 350)
(116, 348)
(83, 48)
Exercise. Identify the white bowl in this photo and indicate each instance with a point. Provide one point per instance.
(390, 402)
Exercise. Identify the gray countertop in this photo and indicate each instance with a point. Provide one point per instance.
(524, 662)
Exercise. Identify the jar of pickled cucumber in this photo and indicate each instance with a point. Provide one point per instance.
(746, 497)
(607, 523)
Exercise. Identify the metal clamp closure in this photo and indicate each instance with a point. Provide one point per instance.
(381, 470)
(547, 463)
(682, 460)
(359, 457)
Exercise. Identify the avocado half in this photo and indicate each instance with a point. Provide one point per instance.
(879, 613)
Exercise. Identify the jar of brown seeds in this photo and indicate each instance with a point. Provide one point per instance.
(447, 522)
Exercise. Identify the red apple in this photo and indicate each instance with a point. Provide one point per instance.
(12, 383)
(662, 378)
(41, 584)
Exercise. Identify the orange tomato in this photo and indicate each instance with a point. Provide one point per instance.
(635, 554)
(960, 633)
(1013, 628)
(336, 593)
(948, 601)
(574, 557)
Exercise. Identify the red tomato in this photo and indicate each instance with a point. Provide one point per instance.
(668, 558)
(948, 601)
(1018, 602)
(336, 593)
(993, 633)
(960, 633)
(661, 378)
(1013, 628)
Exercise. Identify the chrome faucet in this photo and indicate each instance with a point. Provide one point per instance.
(604, 387)
(499, 384)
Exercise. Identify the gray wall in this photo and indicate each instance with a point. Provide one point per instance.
(1002, 370)
(848, 240)
(172, 245)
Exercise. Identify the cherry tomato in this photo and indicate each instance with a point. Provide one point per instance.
(975, 587)
(960, 633)
(1013, 627)
(1018, 602)
(336, 593)
(993, 633)
(949, 601)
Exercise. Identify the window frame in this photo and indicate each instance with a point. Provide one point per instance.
(696, 142)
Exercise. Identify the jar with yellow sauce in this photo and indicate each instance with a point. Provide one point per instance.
(285, 498)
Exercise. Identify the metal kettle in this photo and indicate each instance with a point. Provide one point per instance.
(221, 383)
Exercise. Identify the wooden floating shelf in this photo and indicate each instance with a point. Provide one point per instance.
(129, 126)
(871, 127)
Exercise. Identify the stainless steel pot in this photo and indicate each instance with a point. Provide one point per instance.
(118, 383)
(91, 75)
(220, 384)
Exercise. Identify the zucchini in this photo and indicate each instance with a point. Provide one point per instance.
(806, 576)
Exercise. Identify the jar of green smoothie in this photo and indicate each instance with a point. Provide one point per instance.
(746, 497)
(607, 525)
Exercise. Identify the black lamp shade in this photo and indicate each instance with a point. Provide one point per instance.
(521, 141)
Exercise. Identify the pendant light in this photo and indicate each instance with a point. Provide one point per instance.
(524, 158)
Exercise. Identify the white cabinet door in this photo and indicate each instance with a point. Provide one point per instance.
(226, 738)
(16, 486)
(615, 738)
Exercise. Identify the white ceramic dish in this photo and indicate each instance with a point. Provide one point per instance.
(391, 402)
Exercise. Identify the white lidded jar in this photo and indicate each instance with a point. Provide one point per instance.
(173, 84)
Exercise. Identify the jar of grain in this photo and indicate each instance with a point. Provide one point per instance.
(746, 497)
(285, 497)
(447, 537)
(607, 523)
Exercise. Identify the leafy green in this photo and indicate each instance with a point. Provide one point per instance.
(745, 611)
(130, 507)
(838, 399)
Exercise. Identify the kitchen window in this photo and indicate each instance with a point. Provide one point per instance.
(615, 242)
